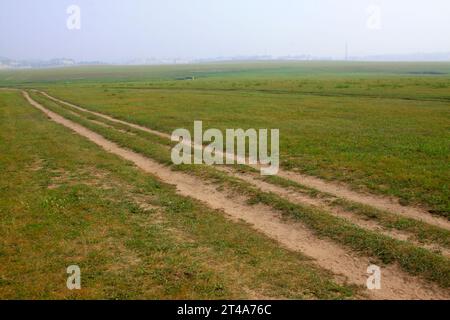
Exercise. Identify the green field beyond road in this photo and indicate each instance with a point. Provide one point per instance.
(380, 127)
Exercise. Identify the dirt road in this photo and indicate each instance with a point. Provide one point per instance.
(346, 265)
(338, 189)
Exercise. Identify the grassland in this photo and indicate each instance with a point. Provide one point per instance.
(381, 129)
(384, 249)
(66, 202)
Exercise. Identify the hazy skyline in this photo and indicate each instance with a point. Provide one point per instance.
(117, 31)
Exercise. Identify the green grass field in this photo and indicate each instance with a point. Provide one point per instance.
(380, 128)
(64, 201)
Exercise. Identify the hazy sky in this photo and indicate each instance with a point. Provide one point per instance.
(119, 30)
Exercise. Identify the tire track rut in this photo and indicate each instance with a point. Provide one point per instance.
(346, 265)
(338, 189)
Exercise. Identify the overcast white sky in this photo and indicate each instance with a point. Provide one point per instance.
(119, 30)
